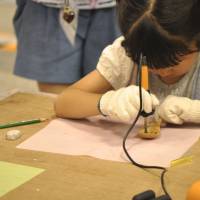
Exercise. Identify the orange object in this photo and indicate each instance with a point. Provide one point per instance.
(9, 47)
(145, 85)
(8, 42)
(194, 191)
(145, 77)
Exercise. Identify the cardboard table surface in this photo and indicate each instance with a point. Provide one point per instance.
(80, 177)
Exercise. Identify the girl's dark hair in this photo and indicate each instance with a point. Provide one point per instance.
(162, 30)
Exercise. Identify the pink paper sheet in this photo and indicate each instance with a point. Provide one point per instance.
(103, 139)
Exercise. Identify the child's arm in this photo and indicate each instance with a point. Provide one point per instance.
(80, 100)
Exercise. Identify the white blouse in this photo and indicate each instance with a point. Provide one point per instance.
(117, 68)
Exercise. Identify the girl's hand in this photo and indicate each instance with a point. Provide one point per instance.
(178, 110)
(124, 104)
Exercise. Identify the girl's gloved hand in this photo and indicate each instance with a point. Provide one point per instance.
(123, 104)
(178, 110)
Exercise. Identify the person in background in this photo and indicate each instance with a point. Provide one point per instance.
(167, 33)
(45, 53)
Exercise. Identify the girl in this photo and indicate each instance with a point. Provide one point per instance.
(167, 33)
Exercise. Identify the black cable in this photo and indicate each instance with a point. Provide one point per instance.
(130, 129)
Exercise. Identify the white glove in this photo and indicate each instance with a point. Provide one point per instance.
(123, 104)
(178, 110)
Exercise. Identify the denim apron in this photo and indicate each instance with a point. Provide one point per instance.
(45, 54)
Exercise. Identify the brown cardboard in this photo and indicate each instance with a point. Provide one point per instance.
(80, 177)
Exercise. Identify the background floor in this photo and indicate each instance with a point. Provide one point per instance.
(8, 81)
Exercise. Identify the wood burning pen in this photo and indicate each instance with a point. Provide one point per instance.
(145, 85)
